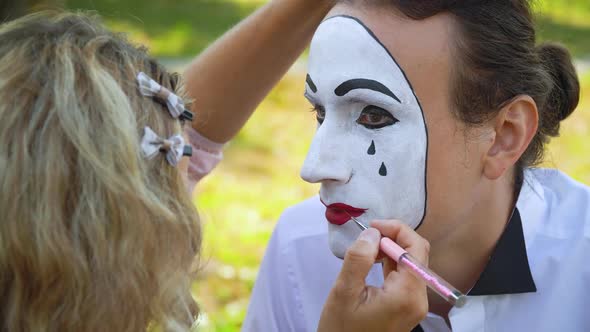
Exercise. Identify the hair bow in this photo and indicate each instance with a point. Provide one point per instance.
(150, 88)
(152, 144)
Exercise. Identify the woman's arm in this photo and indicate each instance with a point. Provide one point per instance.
(229, 79)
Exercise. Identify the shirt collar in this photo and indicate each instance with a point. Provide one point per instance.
(508, 270)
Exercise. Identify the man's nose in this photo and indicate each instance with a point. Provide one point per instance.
(328, 159)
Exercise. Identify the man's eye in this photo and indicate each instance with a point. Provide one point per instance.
(373, 117)
(320, 113)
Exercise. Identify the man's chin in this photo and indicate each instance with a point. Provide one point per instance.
(339, 247)
(338, 253)
(341, 237)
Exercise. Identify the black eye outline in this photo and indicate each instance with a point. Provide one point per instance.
(376, 111)
(320, 113)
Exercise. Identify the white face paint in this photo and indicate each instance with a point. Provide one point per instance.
(370, 150)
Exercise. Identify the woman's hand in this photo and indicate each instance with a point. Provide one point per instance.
(399, 305)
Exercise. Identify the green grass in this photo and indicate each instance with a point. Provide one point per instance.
(575, 37)
(573, 12)
(170, 28)
(183, 28)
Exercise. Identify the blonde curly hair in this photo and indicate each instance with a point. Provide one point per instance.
(93, 237)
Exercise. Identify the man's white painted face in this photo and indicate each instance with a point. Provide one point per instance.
(369, 151)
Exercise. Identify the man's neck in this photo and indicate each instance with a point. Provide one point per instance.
(462, 256)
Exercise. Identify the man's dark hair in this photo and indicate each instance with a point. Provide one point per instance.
(496, 59)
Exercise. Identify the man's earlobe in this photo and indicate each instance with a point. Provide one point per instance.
(515, 127)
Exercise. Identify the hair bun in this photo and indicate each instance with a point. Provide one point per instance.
(565, 93)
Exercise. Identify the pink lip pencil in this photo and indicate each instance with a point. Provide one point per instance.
(436, 283)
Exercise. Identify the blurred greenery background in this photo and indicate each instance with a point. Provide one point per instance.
(241, 201)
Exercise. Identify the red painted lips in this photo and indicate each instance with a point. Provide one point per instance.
(339, 213)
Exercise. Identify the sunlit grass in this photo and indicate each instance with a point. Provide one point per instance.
(170, 28)
(573, 12)
(183, 28)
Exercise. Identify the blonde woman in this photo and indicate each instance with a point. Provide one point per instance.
(97, 230)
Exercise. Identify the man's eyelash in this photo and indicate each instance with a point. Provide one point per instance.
(315, 108)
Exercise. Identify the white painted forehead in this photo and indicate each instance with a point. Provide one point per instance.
(343, 48)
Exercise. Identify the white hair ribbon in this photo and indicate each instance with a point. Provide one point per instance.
(150, 88)
(152, 144)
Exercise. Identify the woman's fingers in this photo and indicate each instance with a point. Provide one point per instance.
(350, 291)
(399, 281)
(411, 242)
(397, 306)
(358, 260)
(405, 237)
(389, 265)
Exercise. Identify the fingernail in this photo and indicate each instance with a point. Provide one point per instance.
(370, 235)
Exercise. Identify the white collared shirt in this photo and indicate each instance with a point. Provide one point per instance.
(538, 278)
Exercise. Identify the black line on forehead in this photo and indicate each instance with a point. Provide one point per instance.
(362, 83)
(372, 34)
(312, 85)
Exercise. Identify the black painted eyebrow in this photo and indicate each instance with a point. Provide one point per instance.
(362, 83)
(312, 85)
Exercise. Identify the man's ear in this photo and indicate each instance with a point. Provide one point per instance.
(514, 129)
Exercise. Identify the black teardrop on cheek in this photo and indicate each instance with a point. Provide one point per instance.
(371, 150)
(383, 170)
